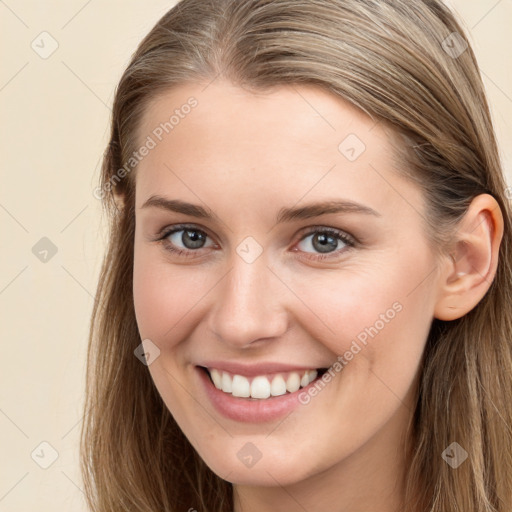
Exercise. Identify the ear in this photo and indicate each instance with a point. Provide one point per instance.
(468, 271)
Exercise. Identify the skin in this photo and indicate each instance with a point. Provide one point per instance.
(245, 156)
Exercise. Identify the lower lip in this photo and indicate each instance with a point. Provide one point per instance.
(251, 410)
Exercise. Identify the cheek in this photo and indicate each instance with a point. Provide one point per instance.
(155, 295)
(343, 305)
(382, 313)
(165, 298)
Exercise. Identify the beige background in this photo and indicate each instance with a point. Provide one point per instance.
(55, 113)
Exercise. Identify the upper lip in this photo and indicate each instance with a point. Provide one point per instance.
(252, 370)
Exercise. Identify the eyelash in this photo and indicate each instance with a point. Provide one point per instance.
(189, 253)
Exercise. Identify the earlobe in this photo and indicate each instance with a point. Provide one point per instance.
(469, 270)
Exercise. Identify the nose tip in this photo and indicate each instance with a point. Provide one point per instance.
(248, 306)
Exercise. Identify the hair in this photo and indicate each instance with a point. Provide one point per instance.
(387, 58)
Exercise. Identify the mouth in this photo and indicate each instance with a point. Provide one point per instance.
(261, 387)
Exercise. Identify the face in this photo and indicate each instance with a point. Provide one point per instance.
(259, 286)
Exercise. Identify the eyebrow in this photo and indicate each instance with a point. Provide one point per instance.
(285, 214)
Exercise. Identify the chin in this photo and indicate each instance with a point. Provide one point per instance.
(266, 466)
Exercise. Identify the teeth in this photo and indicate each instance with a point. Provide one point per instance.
(261, 387)
(241, 386)
(312, 376)
(227, 385)
(278, 386)
(293, 382)
(308, 377)
(216, 377)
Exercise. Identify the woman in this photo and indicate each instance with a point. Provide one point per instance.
(305, 300)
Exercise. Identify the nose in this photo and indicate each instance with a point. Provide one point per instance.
(249, 304)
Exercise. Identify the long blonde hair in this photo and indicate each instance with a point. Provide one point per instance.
(391, 59)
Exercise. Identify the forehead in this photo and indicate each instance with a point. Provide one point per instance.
(294, 112)
(281, 144)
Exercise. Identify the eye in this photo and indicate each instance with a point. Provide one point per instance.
(322, 239)
(325, 241)
(189, 237)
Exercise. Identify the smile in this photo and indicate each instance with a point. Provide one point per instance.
(262, 387)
